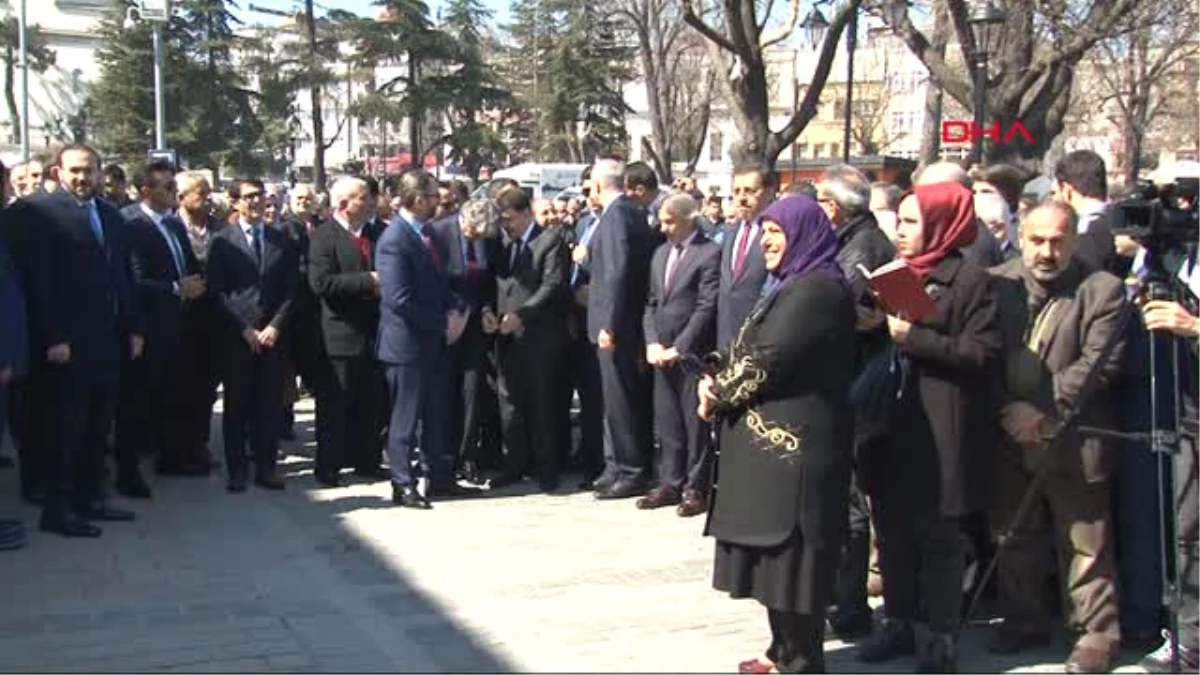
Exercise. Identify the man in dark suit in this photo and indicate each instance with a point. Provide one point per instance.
(253, 273)
(530, 318)
(619, 253)
(583, 370)
(1081, 180)
(743, 270)
(165, 269)
(681, 322)
(91, 324)
(417, 320)
(473, 281)
(341, 274)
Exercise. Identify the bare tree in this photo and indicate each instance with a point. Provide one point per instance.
(1138, 79)
(738, 39)
(1039, 47)
(674, 76)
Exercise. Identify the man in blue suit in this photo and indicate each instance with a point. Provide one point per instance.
(91, 325)
(418, 318)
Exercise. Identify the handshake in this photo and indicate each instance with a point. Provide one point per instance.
(505, 325)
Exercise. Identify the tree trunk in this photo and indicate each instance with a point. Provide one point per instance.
(318, 119)
(10, 97)
(414, 120)
(931, 127)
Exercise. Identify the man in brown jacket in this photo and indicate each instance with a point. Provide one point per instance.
(1065, 316)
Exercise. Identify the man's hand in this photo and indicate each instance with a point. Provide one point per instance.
(653, 353)
(59, 353)
(668, 356)
(137, 344)
(191, 287)
(579, 254)
(605, 341)
(6, 375)
(708, 400)
(251, 337)
(268, 336)
(1126, 246)
(488, 321)
(511, 323)
(868, 318)
(1024, 423)
(375, 280)
(1170, 316)
(456, 321)
(898, 328)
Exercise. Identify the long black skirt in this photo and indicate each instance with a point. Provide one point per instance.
(790, 577)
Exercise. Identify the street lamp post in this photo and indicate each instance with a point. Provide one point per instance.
(157, 12)
(815, 25)
(986, 20)
(23, 38)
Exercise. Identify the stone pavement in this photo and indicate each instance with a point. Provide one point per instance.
(335, 580)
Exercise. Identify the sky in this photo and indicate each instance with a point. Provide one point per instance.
(360, 7)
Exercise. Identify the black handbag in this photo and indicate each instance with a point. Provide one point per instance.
(876, 390)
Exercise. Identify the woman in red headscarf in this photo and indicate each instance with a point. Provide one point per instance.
(933, 471)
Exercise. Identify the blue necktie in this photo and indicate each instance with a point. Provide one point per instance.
(583, 241)
(94, 220)
(176, 254)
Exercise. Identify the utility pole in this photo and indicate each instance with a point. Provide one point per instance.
(23, 39)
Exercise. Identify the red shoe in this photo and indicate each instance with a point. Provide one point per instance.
(756, 667)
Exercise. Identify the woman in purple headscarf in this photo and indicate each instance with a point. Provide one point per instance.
(784, 418)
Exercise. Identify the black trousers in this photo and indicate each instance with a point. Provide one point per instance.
(82, 418)
(199, 374)
(528, 394)
(685, 453)
(851, 591)
(253, 404)
(353, 408)
(921, 558)
(582, 375)
(32, 415)
(797, 642)
(626, 438)
(1187, 505)
(306, 351)
(468, 384)
(150, 414)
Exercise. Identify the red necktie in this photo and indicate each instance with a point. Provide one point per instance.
(364, 246)
(427, 237)
(739, 259)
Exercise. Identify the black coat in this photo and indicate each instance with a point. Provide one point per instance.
(737, 296)
(685, 316)
(534, 287)
(619, 262)
(786, 431)
(155, 273)
(249, 294)
(943, 431)
(340, 279)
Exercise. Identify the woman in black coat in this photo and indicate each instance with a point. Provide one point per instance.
(786, 431)
(933, 472)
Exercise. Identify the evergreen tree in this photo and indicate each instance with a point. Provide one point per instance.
(121, 100)
(41, 58)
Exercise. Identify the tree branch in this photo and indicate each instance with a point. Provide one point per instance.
(692, 19)
(782, 33)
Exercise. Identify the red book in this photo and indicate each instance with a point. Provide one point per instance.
(900, 291)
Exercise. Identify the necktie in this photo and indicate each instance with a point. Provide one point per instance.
(518, 246)
(672, 265)
(94, 221)
(364, 247)
(472, 257)
(739, 259)
(173, 245)
(256, 242)
(583, 241)
(427, 237)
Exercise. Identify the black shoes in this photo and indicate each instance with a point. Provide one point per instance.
(67, 524)
(850, 625)
(407, 496)
(623, 488)
(102, 511)
(131, 484)
(327, 479)
(939, 655)
(373, 473)
(893, 640)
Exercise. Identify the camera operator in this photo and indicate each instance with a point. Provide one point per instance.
(1180, 320)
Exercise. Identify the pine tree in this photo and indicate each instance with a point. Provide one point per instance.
(121, 100)
(41, 58)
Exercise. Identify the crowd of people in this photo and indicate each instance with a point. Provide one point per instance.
(729, 357)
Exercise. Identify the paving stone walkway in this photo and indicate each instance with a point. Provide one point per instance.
(317, 580)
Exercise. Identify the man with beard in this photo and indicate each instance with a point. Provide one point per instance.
(1066, 317)
(91, 324)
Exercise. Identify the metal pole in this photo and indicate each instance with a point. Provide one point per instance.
(159, 107)
(24, 48)
(851, 42)
(980, 109)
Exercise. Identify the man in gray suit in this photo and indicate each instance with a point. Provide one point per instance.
(742, 268)
(1065, 316)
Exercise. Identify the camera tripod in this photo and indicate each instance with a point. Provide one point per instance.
(1163, 440)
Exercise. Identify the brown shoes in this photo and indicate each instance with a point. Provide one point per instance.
(657, 498)
(694, 503)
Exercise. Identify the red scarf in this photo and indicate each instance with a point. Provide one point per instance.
(948, 223)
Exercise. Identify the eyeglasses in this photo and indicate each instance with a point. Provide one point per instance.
(252, 196)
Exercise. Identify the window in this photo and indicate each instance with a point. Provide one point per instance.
(715, 149)
(835, 150)
(819, 150)
(800, 151)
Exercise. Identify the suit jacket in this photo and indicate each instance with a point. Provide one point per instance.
(93, 306)
(684, 316)
(154, 270)
(340, 277)
(1085, 311)
(248, 293)
(738, 296)
(414, 297)
(475, 288)
(1096, 248)
(534, 286)
(619, 255)
(14, 338)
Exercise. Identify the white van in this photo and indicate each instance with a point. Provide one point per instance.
(537, 180)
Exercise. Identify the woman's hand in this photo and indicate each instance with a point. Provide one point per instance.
(708, 400)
